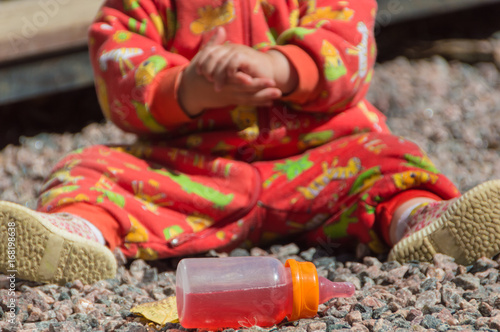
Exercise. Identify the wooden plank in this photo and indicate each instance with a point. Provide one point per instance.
(396, 11)
(47, 76)
(34, 27)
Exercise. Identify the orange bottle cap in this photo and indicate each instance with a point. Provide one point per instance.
(305, 289)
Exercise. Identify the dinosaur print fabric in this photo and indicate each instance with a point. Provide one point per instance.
(172, 202)
(315, 165)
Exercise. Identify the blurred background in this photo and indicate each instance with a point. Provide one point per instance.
(436, 78)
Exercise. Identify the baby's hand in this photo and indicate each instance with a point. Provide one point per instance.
(229, 74)
(222, 63)
(197, 89)
(196, 93)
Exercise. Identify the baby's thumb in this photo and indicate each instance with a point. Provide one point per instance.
(218, 38)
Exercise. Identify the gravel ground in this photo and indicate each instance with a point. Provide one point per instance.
(451, 109)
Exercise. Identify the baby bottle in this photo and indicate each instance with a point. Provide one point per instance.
(250, 291)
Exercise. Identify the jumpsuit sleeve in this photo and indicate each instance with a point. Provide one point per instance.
(332, 46)
(136, 77)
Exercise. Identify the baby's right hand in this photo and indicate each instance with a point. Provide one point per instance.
(222, 62)
(196, 93)
(197, 90)
(226, 63)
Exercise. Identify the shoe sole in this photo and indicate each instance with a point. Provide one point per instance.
(467, 231)
(33, 249)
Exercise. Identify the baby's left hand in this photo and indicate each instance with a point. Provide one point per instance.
(221, 62)
(218, 62)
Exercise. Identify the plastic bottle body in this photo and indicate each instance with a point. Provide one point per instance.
(233, 292)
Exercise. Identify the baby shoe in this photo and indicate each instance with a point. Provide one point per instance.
(466, 228)
(51, 248)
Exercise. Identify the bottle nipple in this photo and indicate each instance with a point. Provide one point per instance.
(329, 289)
(309, 290)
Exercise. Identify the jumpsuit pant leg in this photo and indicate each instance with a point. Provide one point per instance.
(180, 203)
(336, 193)
(165, 201)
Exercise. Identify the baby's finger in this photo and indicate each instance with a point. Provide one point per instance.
(218, 38)
(263, 82)
(200, 58)
(212, 61)
(267, 95)
(264, 97)
(219, 73)
(240, 78)
(234, 64)
(249, 85)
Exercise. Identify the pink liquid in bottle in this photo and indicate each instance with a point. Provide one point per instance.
(245, 307)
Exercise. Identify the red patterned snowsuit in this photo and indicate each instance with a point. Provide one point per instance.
(321, 163)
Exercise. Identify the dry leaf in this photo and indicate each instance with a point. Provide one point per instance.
(160, 312)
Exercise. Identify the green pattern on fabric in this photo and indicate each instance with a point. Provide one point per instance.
(111, 196)
(172, 231)
(144, 114)
(143, 25)
(219, 199)
(298, 32)
(292, 169)
(339, 229)
(364, 178)
(421, 162)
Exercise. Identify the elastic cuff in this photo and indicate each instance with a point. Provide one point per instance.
(307, 72)
(165, 106)
(97, 216)
(385, 210)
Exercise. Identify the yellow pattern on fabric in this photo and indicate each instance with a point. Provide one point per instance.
(102, 96)
(158, 23)
(211, 17)
(330, 173)
(137, 232)
(148, 69)
(327, 13)
(147, 254)
(51, 194)
(334, 66)
(71, 200)
(149, 202)
(199, 222)
(246, 118)
(410, 179)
